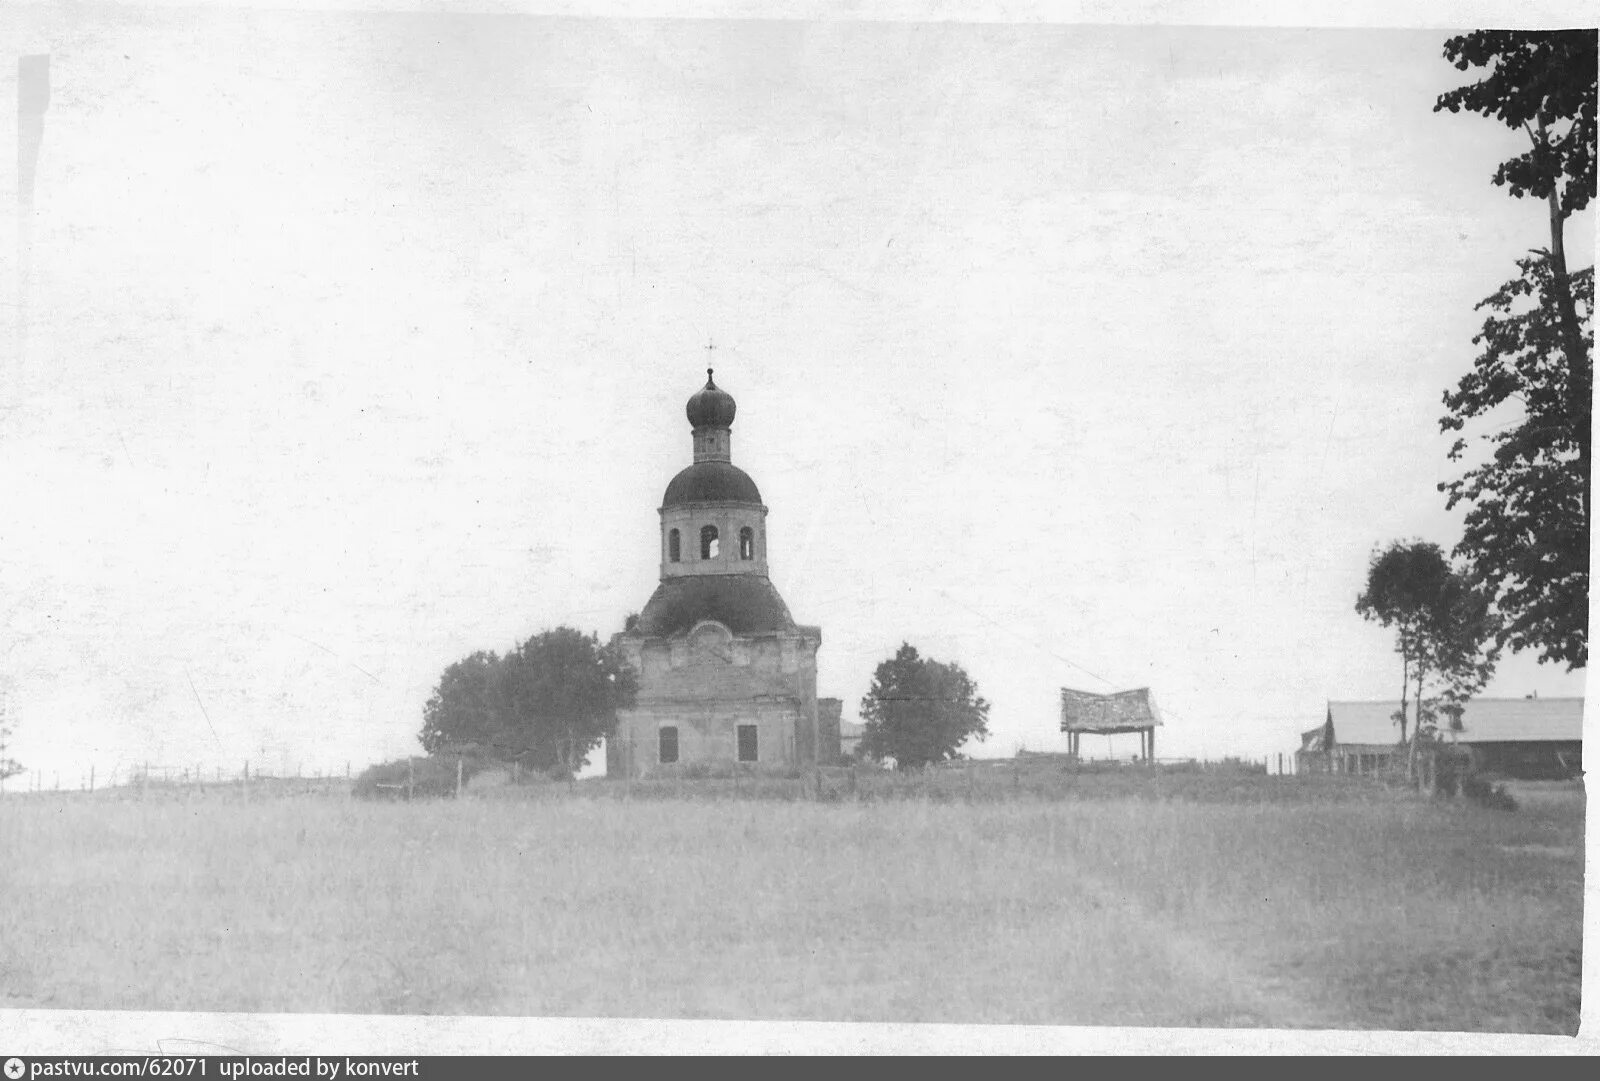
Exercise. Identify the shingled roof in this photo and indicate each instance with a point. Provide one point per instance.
(1122, 711)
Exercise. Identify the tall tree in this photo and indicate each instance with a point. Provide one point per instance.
(546, 703)
(919, 711)
(1402, 582)
(560, 691)
(462, 711)
(1443, 631)
(1527, 526)
(1528, 533)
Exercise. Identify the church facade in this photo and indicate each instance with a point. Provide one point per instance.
(727, 678)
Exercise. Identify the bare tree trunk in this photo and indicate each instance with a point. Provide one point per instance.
(1416, 727)
(1571, 328)
(1405, 689)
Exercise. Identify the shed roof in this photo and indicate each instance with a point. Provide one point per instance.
(1485, 720)
(1121, 711)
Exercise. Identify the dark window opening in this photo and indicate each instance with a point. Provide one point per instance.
(747, 543)
(709, 547)
(669, 744)
(747, 743)
(674, 549)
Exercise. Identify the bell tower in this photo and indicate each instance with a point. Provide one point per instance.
(712, 517)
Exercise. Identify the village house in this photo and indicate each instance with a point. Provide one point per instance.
(1516, 737)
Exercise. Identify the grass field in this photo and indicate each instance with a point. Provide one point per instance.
(1254, 901)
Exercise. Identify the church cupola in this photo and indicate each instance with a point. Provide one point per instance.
(711, 413)
(712, 519)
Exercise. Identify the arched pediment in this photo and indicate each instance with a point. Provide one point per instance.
(710, 632)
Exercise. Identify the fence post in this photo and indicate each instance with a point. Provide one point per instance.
(411, 777)
(458, 776)
(91, 778)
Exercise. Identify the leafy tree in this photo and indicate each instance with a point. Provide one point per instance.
(560, 691)
(546, 704)
(920, 711)
(1528, 531)
(1443, 629)
(463, 711)
(1460, 644)
(1541, 82)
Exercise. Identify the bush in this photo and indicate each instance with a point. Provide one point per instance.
(1485, 793)
(416, 778)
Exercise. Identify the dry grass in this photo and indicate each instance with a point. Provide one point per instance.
(1358, 911)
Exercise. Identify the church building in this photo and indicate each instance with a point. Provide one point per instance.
(726, 676)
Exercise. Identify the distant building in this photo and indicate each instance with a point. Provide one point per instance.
(850, 738)
(1110, 714)
(726, 676)
(1518, 737)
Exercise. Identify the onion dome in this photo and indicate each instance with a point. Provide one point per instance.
(711, 406)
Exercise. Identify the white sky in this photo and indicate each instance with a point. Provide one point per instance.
(1085, 356)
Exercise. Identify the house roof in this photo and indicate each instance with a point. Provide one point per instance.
(1505, 720)
(1367, 722)
(1312, 740)
(1122, 711)
(1485, 720)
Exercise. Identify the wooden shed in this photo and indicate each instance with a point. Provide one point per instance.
(1110, 714)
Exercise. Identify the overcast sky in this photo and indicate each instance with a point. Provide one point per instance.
(1083, 356)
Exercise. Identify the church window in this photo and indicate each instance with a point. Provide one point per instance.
(747, 543)
(747, 743)
(674, 547)
(709, 546)
(668, 739)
